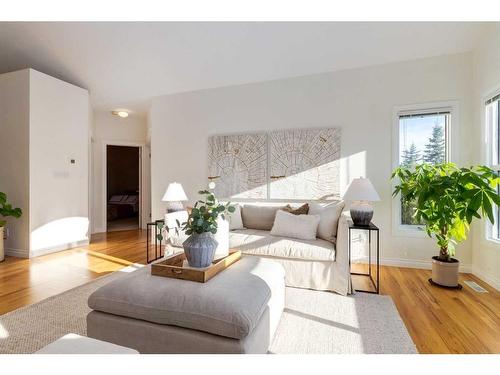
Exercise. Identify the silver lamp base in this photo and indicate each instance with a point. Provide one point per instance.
(361, 214)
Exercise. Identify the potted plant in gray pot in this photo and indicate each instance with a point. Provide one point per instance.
(6, 209)
(446, 199)
(201, 226)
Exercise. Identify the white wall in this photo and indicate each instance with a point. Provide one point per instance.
(59, 195)
(14, 156)
(486, 67)
(361, 101)
(44, 124)
(108, 128)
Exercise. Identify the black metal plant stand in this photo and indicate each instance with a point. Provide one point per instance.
(369, 228)
(158, 242)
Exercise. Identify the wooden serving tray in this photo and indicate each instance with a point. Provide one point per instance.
(176, 267)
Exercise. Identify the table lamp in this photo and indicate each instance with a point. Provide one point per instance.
(361, 192)
(174, 196)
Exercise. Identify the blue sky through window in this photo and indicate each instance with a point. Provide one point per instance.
(418, 130)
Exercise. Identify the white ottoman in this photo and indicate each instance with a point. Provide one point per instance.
(75, 344)
(237, 311)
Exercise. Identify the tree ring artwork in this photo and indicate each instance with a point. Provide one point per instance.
(237, 164)
(284, 164)
(305, 164)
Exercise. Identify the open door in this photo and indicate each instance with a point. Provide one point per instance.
(123, 187)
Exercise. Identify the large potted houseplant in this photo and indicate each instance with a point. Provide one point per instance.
(6, 209)
(201, 226)
(446, 199)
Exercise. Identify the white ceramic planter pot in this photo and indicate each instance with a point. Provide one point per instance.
(222, 238)
(445, 273)
(2, 252)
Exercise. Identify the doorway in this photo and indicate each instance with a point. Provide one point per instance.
(123, 187)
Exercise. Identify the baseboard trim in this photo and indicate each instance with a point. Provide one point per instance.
(486, 277)
(56, 249)
(423, 264)
(414, 263)
(18, 253)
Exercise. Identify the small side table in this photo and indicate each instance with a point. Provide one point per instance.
(158, 243)
(370, 228)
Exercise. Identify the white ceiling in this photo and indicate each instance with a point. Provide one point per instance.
(125, 64)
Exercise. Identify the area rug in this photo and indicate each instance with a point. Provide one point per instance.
(327, 323)
(313, 323)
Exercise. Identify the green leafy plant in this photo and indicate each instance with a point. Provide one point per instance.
(446, 199)
(160, 225)
(7, 210)
(204, 214)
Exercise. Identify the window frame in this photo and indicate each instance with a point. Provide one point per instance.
(452, 137)
(491, 133)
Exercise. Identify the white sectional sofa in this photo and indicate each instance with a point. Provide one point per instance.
(321, 263)
(314, 264)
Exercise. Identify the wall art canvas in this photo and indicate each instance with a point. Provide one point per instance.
(237, 164)
(304, 164)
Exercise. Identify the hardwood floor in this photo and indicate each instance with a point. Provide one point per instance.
(26, 281)
(439, 320)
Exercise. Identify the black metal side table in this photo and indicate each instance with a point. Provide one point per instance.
(370, 228)
(158, 243)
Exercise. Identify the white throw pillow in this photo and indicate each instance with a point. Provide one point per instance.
(329, 214)
(303, 227)
(235, 221)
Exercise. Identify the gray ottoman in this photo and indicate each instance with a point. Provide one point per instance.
(237, 311)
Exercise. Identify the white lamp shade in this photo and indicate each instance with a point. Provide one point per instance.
(174, 193)
(361, 189)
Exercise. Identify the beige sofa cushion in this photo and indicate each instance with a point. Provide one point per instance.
(259, 216)
(262, 243)
(329, 214)
(229, 305)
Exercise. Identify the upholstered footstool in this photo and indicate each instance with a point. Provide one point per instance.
(76, 344)
(237, 311)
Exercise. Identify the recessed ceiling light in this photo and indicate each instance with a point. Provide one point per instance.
(120, 113)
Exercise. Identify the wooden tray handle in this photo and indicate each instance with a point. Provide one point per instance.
(177, 272)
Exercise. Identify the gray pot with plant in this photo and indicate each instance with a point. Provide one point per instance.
(201, 226)
(6, 209)
(446, 199)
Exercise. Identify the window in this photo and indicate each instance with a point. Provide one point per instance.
(422, 135)
(493, 149)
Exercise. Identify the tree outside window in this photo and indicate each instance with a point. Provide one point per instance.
(422, 140)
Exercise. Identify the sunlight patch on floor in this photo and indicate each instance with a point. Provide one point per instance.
(132, 268)
(102, 263)
(3, 332)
